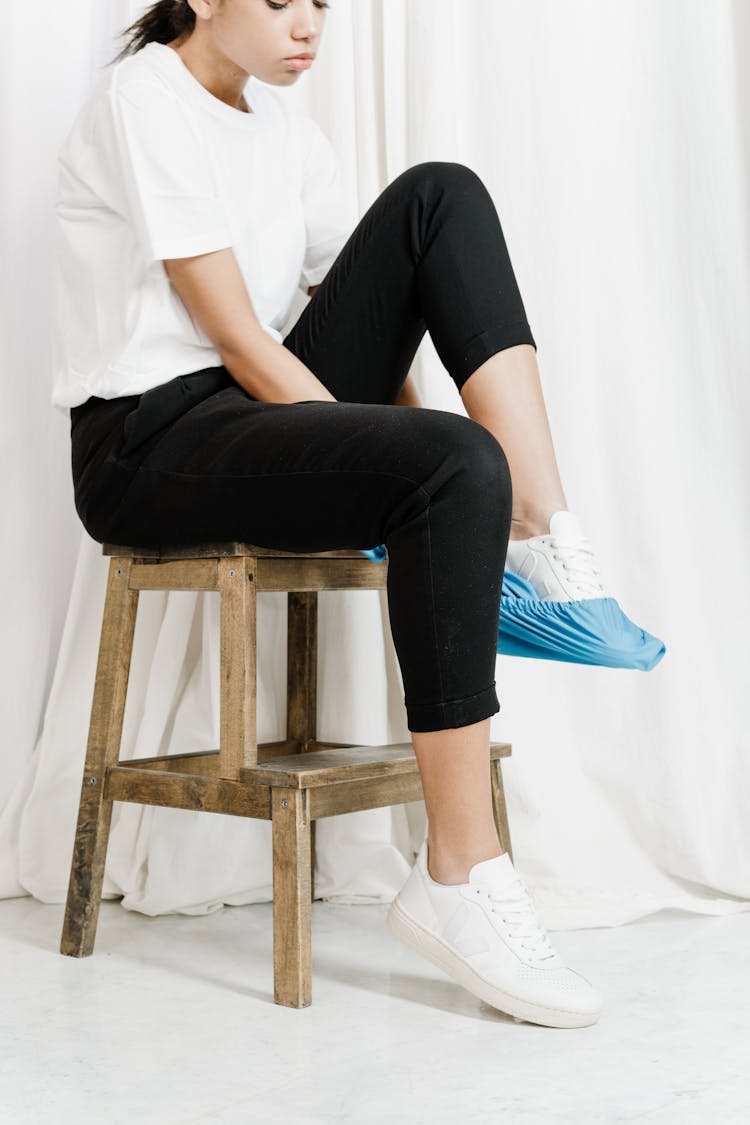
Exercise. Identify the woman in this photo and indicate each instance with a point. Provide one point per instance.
(192, 205)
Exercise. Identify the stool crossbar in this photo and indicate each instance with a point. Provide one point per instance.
(292, 782)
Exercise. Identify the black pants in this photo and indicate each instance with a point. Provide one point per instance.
(199, 459)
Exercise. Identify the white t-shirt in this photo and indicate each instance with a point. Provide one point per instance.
(157, 167)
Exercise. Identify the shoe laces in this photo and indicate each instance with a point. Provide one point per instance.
(519, 915)
(578, 559)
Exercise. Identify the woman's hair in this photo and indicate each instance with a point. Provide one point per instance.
(161, 23)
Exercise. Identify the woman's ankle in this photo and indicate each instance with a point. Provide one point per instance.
(445, 866)
(531, 523)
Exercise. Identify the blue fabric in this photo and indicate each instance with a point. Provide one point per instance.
(377, 554)
(589, 631)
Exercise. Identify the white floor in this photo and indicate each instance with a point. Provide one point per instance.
(171, 1021)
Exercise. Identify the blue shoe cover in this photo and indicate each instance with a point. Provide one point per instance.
(588, 631)
(377, 554)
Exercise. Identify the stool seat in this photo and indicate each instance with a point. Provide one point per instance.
(221, 550)
(292, 782)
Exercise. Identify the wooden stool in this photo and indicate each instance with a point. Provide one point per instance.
(291, 783)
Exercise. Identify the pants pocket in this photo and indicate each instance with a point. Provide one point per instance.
(159, 407)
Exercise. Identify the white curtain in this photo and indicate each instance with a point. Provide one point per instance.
(614, 139)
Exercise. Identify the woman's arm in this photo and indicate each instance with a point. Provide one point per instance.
(214, 293)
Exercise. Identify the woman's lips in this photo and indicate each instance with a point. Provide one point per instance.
(299, 64)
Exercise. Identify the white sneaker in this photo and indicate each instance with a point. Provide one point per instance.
(485, 934)
(559, 565)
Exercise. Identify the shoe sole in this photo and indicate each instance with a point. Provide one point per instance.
(403, 926)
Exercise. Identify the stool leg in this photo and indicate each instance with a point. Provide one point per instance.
(103, 750)
(302, 681)
(292, 909)
(499, 807)
(238, 702)
(302, 666)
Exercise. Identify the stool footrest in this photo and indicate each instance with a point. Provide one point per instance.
(350, 763)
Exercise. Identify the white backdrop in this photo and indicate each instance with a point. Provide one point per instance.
(615, 141)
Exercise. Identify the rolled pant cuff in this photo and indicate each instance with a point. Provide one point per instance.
(453, 712)
(487, 344)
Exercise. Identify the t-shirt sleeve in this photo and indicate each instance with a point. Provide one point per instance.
(323, 204)
(167, 181)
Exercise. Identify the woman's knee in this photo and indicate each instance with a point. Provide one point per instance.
(443, 173)
(473, 451)
(484, 453)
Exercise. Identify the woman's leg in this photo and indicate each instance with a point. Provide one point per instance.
(455, 769)
(451, 272)
(430, 253)
(505, 395)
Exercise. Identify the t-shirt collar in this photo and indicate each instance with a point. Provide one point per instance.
(197, 92)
